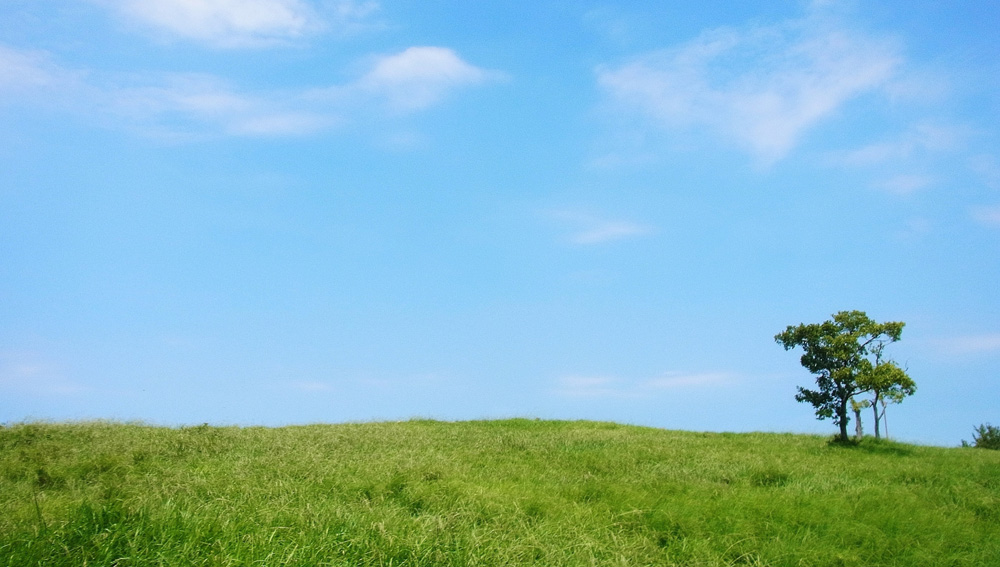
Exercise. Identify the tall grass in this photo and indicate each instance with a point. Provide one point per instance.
(513, 492)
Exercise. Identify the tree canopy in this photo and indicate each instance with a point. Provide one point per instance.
(888, 384)
(846, 356)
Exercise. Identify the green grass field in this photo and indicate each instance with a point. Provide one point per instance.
(512, 492)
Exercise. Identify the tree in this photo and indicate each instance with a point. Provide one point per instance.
(846, 355)
(889, 384)
(985, 436)
(856, 407)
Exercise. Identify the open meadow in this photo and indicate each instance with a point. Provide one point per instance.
(509, 492)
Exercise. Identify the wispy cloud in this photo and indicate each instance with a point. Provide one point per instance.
(583, 386)
(762, 87)
(313, 386)
(983, 344)
(905, 184)
(987, 168)
(241, 23)
(672, 380)
(610, 23)
(27, 372)
(590, 229)
(899, 163)
(914, 229)
(184, 105)
(413, 79)
(25, 73)
(989, 216)
(193, 104)
(917, 142)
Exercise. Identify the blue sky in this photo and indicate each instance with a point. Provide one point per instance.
(295, 211)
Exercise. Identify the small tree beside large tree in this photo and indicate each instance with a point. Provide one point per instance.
(888, 384)
(846, 356)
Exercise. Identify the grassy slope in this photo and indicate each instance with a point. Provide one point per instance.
(485, 493)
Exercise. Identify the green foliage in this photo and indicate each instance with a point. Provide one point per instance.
(985, 436)
(514, 492)
(846, 356)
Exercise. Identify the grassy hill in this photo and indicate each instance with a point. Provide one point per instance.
(513, 492)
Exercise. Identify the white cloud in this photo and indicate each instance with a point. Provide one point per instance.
(582, 386)
(197, 104)
(989, 216)
(905, 184)
(26, 372)
(182, 106)
(984, 344)
(167, 104)
(223, 23)
(987, 168)
(761, 87)
(606, 231)
(419, 77)
(610, 23)
(916, 142)
(590, 229)
(280, 124)
(914, 229)
(312, 386)
(410, 81)
(574, 386)
(26, 73)
(348, 17)
(672, 380)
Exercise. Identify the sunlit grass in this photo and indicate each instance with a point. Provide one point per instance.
(511, 492)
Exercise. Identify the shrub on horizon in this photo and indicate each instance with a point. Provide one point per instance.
(985, 436)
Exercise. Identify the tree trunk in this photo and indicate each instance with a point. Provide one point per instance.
(885, 420)
(843, 419)
(875, 408)
(859, 431)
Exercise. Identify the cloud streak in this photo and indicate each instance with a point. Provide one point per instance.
(26, 73)
(759, 87)
(25, 372)
(970, 345)
(989, 216)
(919, 141)
(183, 105)
(241, 23)
(414, 79)
(590, 230)
(192, 104)
(312, 386)
(905, 184)
(582, 386)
